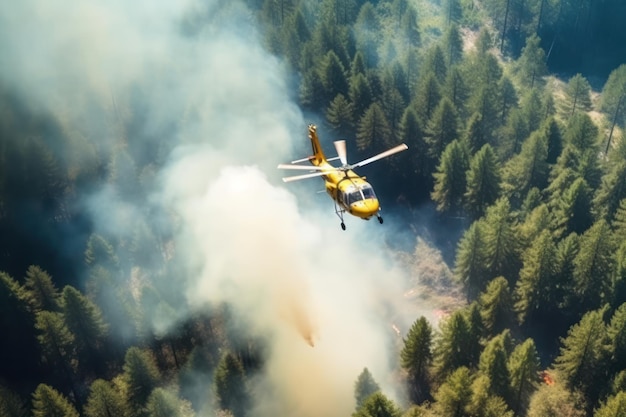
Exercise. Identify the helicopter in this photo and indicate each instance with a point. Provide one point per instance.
(349, 191)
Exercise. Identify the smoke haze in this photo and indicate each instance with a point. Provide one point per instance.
(199, 91)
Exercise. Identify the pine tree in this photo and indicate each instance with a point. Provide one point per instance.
(508, 97)
(435, 63)
(378, 405)
(427, 96)
(333, 76)
(105, 401)
(536, 277)
(582, 354)
(84, 320)
(48, 402)
(577, 95)
(532, 62)
(496, 306)
(493, 364)
(442, 128)
(56, 342)
(555, 141)
(615, 406)
(42, 294)
(339, 115)
(416, 357)
(364, 386)
(581, 132)
(372, 129)
(455, 88)
(229, 384)
(524, 369)
(470, 260)
(141, 374)
(411, 133)
(556, 400)
(593, 266)
(483, 181)
(452, 45)
(616, 333)
(454, 395)
(501, 240)
(572, 211)
(360, 94)
(611, 191)
(528, 169)
(450, 178)
(451, 347)
(100, 252)
(164, 403)
(483, 403)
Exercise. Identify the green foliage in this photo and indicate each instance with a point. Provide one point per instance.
(372, 129)
(364, 386)
(229, 384)
(556, 400)
(55, 338)
(483, 181)
(84, 320)
(493, 364)
(450, 178)
(470, 268)
(454, 395)
(360, 94)
(416, 357)
(524, 369)
(577, 95)
(614, 406)
(339, 115)
(532, 62)
(611, 191)
(583, 354)
(105, 401)
(452, 347)
(42, 294)
(48, 402)
(100, 252)
(164, 403)
(501, 241)
(141, 374)
(496, 306)
(11, 405)
(528, 169)
(616, 332)
(378, 405)
(442, 128)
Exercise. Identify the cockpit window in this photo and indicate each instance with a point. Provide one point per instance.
(368, 192)
(354, 196)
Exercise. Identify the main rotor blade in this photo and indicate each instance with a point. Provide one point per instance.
(303, 177)
(381, 155)
(340, 146)
(301, 167)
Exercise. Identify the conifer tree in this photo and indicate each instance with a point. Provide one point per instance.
(483, 181)
(84, 319)
(508, 97)
(339, 115)
(451, 346)
(532, 62)
(577, 95)
(141, 374)
(611, 191)
(496, 306)
(427, 96)
(524, 369)
(435, 63)
(48, 402)
(536, 277)
(333, 76)
(493, 364)
(105, 401)
(614, 406)
(42, 294)
(556, 400)
(616, 333)
(364, 386)
(164, 403)
(372, 129)
(593, 266)
(450, 178)
(483, 403)
(442, 128)
(229, 385)
(452, 45)
(56, 342)
(378, 405)
(416, 357)
(455, 88)
(469, 267)
(454, 396)
(501, 241)
(412, 133)
(582, 354)
(11, 405)
(528, 169)
(360, 95)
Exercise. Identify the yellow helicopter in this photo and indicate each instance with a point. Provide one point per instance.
(350, 192)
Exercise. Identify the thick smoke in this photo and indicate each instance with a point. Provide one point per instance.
(219, 113)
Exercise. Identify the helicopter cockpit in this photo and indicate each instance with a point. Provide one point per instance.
(358, 194)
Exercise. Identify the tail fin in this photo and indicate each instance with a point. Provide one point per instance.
(318, 154)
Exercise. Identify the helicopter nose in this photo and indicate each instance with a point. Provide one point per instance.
(365, 208)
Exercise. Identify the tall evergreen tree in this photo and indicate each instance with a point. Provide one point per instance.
(454, 395)
(141, 374)
(372, 129)
(442, 127)
(364, 386)
(416, 357)
(469, 267)
(524, 369)
(48, 402)
(451, 346)
(378, 405)
(164, 403)
(593, 266)
(528, 169)
(333, 76)
(613, 102)
(496, 305)
(577, 95)
(536, 277)
(501, 241)
(614, 406)
(532, 62)
(616, 333)
(11, 405)
(43, 295)
(493, 364)
(483, 181)
(229, 384)
(360, 95)
(339, 115)
(450, 178)
(427, 96)
(611, 191)
(582, 355)
(105, 401)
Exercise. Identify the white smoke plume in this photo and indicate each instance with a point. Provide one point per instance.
(197, 76)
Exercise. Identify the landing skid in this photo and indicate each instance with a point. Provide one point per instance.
(339, 212)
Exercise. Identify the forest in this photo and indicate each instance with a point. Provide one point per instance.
(513, 111)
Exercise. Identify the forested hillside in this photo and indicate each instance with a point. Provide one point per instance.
(508, 142)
